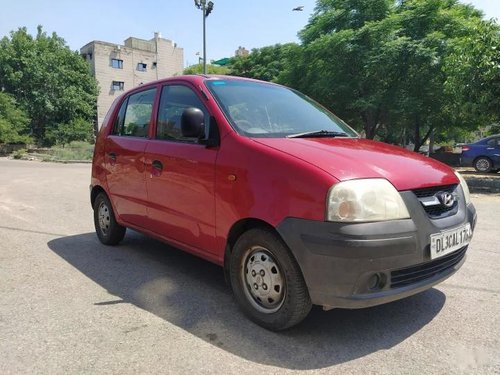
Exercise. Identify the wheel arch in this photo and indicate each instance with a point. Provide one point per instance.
(237, 229)
(95, 192)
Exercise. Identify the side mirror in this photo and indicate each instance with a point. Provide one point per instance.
(192, 123)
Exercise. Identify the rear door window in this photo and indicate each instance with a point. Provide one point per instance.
(134, 116)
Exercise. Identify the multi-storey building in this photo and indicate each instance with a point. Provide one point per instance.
(122, 67)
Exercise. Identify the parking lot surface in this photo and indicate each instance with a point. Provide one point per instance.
(71, 305)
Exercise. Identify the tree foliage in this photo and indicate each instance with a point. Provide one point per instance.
(211, 69)
(265, 63)
(50, 81)
(399, 70)
(13, 121)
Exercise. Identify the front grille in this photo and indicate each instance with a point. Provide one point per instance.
(437, 211)
(430, 191)
(420, 272)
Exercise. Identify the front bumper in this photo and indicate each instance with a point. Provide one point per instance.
(339, 260)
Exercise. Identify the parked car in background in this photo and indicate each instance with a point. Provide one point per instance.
(483, 155)
(286, 197)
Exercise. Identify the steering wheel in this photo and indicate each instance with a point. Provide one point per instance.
(244, 124)
(248, 127)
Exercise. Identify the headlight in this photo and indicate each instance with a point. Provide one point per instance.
(465, 188)
(365, 200)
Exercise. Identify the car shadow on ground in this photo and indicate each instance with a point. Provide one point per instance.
(192, 294)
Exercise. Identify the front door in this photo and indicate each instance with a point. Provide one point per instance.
(124, 157)
(493, 150)
(181, 175)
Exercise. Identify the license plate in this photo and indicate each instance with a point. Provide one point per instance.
(447, 242)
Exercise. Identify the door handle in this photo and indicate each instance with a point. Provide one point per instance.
(156, 168)
(157, 165)
(112, 156)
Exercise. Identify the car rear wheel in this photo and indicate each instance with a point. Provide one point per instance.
(267, 281)
(483, 164)
(107, 229)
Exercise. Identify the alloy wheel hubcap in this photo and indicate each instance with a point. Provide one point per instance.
(104, 218)
(263, 280)
(482, 164)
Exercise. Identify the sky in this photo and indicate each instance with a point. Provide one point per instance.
(233, 23)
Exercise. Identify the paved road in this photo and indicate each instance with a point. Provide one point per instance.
(71, 305)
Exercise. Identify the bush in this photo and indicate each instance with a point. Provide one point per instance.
(76, 130)
(72, 151)
(19, 154)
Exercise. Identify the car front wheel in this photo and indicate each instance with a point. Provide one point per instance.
(483, 164)
(267, 281)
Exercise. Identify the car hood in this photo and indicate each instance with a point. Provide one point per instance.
(353, 158)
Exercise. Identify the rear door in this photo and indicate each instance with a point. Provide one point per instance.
(181, 175)
(124, 157)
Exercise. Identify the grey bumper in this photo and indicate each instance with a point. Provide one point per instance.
(339, 260)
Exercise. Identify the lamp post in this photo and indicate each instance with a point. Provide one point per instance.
(206, 10)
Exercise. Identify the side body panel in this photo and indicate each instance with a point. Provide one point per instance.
(125, 176)
(181, 197)
(255, 181)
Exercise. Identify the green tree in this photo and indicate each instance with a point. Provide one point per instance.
(339, 64)
(331, 16)
(400, 69)
(428, 33)
(211, 69)
(473, 74)
(266, 63)
(49, 80)
(13, 121)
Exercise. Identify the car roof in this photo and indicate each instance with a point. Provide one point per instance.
(490, 137)
(486, 139)
(195, 79)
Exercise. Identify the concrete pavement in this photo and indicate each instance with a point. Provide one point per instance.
(71, 305)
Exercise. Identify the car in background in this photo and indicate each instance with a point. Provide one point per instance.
(483, 155)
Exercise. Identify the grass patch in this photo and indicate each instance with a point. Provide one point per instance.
(19, 154)
(73, 151)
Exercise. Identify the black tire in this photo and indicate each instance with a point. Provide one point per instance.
(483, 164)
(107, 229)
(283, 303)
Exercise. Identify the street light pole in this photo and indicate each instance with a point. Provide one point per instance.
(204, 40)
(206, 9)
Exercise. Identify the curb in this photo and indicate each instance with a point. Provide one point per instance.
(483, 184)
(68, 161)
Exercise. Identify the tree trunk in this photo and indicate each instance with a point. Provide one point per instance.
(431, 143)
(416, 137)
(371, 123)
(420, 141)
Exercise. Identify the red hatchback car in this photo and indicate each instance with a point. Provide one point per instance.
(263, 181)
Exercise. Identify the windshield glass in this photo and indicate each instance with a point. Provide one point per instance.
(258, 109)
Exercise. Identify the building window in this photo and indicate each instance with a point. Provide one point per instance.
(142, 67)
(118, 85)
(117, 64)
(155, 64)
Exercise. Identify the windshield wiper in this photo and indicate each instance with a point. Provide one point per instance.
(318, 134)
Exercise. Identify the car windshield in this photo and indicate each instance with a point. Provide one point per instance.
(258, 109)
